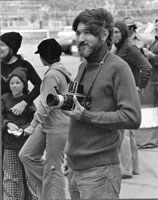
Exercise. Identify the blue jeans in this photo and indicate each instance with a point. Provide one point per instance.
(103, 182)
(46, 174)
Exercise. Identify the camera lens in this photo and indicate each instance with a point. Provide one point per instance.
(52, 100)
(55, 100)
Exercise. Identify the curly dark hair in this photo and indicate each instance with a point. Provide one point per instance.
(96, 20)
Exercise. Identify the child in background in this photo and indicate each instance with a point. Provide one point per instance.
(49, 128)
(13, 138)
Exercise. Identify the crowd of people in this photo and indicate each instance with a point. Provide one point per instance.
(87, 131)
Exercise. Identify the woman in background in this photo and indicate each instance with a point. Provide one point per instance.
(10, 43)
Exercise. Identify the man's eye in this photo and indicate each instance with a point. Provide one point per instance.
(77, 33)
(87, 32)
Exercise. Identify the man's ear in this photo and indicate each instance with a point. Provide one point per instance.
(105, 35)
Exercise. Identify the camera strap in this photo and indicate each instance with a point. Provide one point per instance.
(101, 63)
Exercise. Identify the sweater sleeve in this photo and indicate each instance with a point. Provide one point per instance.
(128, 112)
(34, 78)
(50, 81)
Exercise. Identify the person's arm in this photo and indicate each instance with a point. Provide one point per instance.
(5, 122)
(143, 67)
(34, 78)
(30, 129)
(50, 81)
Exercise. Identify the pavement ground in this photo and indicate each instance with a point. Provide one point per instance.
(144, 185)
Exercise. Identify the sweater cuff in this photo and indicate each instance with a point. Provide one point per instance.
(86, 116)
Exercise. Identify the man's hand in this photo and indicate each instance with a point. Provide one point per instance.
(78, 110)
(64, 168)
(19, 108)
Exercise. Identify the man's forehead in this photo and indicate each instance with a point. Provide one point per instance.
(82, 26)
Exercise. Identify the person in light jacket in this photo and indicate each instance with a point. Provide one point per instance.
(49, 128)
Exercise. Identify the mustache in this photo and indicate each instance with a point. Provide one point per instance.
(81, 44)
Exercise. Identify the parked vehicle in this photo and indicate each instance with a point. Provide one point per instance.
(66, 32)
(66, 39)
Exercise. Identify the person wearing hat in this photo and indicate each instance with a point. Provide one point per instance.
(10, 43)
(49, 128)
(13, 138)
(141, 70)
(136, 39)
(150, 97)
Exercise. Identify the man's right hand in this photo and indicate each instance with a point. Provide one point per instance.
(64, 168)
(78, 110)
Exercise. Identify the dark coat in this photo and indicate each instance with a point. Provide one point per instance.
(22, 121)
(139, 65)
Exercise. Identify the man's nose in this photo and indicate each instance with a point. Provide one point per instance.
(81, 37)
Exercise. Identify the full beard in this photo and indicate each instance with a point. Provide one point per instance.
(85, 51)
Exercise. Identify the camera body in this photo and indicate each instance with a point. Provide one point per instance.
(65, 101)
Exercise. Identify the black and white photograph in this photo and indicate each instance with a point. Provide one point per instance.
(79, 99)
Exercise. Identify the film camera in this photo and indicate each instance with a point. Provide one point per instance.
(65, 101)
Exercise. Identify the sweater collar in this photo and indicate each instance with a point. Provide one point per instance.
(98, 55)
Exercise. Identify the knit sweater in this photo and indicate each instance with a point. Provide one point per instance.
(32, 76)
(94, 140)
(22, 121)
